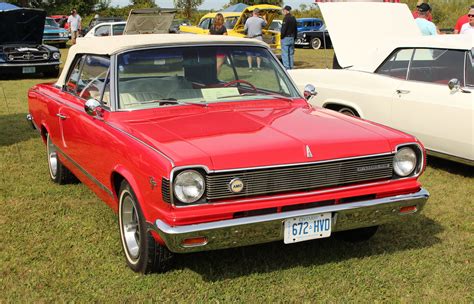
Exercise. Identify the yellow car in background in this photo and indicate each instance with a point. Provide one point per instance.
(235, 21)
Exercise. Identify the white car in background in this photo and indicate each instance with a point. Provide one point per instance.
(107, 29)
(395, 76)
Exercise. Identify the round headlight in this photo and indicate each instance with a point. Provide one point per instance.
(56, 55)
(404, 161)
(11, 57)
(189, 186)
(45, 56)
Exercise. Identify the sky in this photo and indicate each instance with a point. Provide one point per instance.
(210, 4)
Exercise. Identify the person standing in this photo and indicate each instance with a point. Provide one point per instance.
(218, 28)
(426, 27)
(74, 22)
(468, 28)
(288, 35)
(461, 21)
(254, 29)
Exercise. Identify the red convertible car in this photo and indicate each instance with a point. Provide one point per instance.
(195, 151)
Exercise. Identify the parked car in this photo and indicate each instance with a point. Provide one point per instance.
(235, 22)
(309, 24)
(397, 77)
(61, 20)
(54, 34)
(99, 20)
(21, 48)
(195, 153)
(314, 39)
(107, 29)
(174, 29)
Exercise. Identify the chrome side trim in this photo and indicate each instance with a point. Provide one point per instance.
(87, 174)
(142, 142)
(19, 65)
(450, 157)
(266, 228)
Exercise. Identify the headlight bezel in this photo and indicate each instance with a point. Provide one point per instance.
(419, 160)
(56, 56)
(177, 193)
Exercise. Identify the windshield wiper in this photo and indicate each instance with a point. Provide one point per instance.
(289, 99)
(165, 101)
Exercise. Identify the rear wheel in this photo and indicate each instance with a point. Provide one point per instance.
(57, 171)
(142, 253)
(315, 43)
(357, 235)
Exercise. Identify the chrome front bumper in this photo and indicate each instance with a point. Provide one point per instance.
(268, 228)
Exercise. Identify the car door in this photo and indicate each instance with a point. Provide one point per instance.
(425, 107)
(84, 137)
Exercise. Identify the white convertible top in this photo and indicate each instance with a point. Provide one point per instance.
(114, 44)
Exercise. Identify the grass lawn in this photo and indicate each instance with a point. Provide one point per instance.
(62, 243)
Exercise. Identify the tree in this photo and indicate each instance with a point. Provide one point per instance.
(187, 6)
(255, 2)
(143, 3)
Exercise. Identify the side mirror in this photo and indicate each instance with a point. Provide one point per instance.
(91, 106)
(454, 85)
(309, 91)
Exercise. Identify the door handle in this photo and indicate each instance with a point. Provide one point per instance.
(61, 116)
(403, 91)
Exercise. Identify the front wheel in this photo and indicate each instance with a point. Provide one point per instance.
(316, 43)
(142, 253)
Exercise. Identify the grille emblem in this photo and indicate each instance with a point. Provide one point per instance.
(308, 152)
(236, 185)
(372, 167)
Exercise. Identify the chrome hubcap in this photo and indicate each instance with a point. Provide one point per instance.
(130, 227)
(316, 44)
(52, 159)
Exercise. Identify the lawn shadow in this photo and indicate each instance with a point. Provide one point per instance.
(406, 234)
(14, 128)
(450, 166)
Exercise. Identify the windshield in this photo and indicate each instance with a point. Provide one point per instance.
(51, 22)
(200, 75)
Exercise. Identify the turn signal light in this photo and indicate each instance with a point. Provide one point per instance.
(408, 209)
(194, 242)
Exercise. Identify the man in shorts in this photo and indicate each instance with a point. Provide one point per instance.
(74, 22)
(253, 27)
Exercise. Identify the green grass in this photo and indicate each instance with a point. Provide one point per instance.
(61, 243)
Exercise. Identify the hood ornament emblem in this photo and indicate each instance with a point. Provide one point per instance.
(309, 154)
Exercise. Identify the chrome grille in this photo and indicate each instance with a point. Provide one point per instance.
(300, 177)
(26, 56)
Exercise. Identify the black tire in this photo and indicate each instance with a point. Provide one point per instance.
(348, 111)
(357, 235)
(142, 253)
(51, 73)
(57, 171)
(315, 43)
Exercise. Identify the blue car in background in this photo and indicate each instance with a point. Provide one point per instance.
(309, 24)
(54, 34)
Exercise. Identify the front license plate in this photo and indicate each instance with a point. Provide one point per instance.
(28, 70)
(303, 228)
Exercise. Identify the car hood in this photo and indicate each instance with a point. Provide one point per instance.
(358, 29)
(22, 26)
(270, 11)
(149, 21)
(224, 138)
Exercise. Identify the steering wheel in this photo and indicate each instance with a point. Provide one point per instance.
(241, 81)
